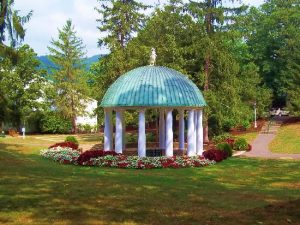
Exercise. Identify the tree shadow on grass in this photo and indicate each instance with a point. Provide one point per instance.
(47, 192)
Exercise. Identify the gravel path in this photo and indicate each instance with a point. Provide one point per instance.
(260, 146)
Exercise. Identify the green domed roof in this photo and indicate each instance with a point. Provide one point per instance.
(153, 86)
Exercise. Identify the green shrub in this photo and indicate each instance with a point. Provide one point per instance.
(220, 138)
(246, 124)
(229, 124)
(240, 144)
(131, 138)
(225, 147)
(151, 137)
(87, 128)
(71, 139)
(54, 123)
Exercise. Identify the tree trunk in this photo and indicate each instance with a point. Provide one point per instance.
(74, 127)
(207, 64)
(206, 88)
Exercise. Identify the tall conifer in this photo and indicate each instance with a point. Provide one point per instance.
(69, 78)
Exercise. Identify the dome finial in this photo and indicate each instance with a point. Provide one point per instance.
(153, 57)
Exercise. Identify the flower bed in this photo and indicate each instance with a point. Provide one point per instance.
(237, 144)
(59, 154)
(87, 155)
(122, 161)
(105, 159)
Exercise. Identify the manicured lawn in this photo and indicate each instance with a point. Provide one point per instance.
(40, 141)
(248, 136)
(287, 139)
(34, 190)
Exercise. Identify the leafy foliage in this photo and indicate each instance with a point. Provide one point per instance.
(11, 22)
(225, 147)
(71, 139)
(53, 122)
(273, 39)
(240, 144)
(21, 87)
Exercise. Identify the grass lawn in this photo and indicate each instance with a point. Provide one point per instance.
(41, 141)
(250, 136)
(34, 190)
(287, 139)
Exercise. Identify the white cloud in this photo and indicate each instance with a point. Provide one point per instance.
(49, 15)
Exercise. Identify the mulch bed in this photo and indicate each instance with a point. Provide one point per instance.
(240, 130)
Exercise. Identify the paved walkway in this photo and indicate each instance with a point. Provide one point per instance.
(260, 146)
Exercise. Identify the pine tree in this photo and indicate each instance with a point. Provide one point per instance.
(69, 78)
(181, 43)
(119, 21)
(213, 19)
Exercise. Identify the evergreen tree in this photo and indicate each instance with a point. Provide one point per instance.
(119, 21)
(213, 19)
(11, 24)
(69, 78)
(181, 41)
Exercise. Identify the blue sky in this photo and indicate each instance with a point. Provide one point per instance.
(48, 15)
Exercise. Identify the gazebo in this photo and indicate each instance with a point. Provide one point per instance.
(155, 87)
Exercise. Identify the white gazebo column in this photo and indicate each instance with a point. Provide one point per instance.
(169, 133)
(119, 132)
(191, 134)
(199, 139)
(162, 129)
(123, 130)
(142, 134)
(181, 130)
(107, 130)
(195, 127)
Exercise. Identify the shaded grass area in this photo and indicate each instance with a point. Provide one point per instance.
(287, 139)
(34, 190)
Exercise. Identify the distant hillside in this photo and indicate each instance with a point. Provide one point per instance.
(47, 64)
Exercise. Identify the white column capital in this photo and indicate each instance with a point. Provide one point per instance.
(141, 110)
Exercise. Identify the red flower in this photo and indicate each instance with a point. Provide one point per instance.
(87, 155)
(66, 144)
(215, 155)
(122, 164)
